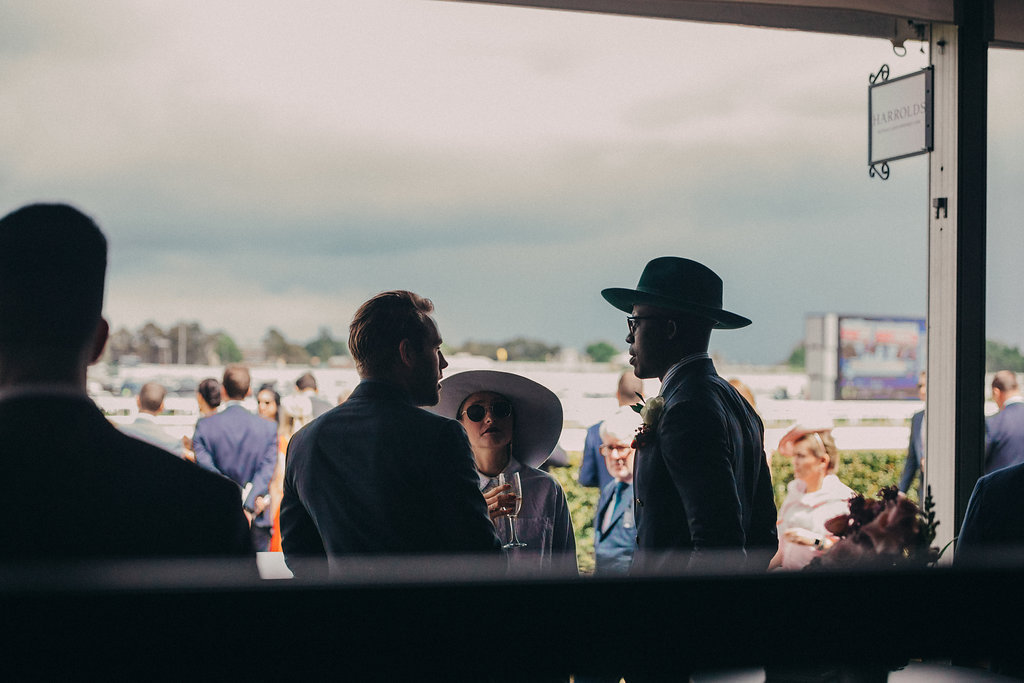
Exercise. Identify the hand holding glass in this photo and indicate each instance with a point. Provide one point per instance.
(517, 489)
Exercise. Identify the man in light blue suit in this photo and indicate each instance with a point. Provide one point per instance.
(1004, 431)
(242, 447)
(614, 528)
(592, 468)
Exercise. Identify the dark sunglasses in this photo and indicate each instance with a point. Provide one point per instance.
(499, 409)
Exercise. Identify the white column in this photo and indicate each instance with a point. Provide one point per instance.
(940, 405)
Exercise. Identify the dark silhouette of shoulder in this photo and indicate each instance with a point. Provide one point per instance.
(79, 488)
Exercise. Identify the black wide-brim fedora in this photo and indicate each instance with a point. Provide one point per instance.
(678, 284)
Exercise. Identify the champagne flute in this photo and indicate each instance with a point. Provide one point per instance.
(517, 489)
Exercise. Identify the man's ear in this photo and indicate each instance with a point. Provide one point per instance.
(99, 340)
(406, 353)
(673, 328)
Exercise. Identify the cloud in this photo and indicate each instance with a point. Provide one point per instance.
(257, 166)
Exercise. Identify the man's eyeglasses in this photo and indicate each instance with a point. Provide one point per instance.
(631, 320)
(615, 449)
(499, 409)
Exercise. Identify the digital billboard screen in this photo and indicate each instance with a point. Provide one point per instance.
(880, 358)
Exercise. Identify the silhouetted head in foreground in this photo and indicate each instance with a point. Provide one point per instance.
(53, 260)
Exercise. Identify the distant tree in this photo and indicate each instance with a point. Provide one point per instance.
(278, 348)
(485, 349)
(325, 346)
(517, 349)
(226, 349)
(999, 356)
(529, 349)
(601, 352)
(798, 358)
(198, 344)
(152, 345)
(121, 343)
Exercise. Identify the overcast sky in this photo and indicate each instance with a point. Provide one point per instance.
(258, 165)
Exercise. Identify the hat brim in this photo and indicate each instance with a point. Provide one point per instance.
(787, 444)
(624, 300)
(537, 410)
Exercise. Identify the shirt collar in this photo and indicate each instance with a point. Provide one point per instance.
(684, 361)
(512, 466)
(145, 417)
(1014, 399)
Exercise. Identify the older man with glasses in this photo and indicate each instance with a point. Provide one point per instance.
(614, 527)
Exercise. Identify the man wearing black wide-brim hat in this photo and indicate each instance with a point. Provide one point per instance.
(700, 477)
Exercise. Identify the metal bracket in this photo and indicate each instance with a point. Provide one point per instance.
(883, 75)
(882, 172)
(941, 204)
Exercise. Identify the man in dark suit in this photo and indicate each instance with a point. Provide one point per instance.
(242, 447)
(913, 467)
(993, 532)
(1004, 431)
(700, 478)
(77, 488)
(592, 468)
(379, 475)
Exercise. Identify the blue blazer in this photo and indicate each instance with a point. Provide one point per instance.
(593, 471)
(915, 451)
(378, 475)
(613, 547)
(78, 488)
(702, 481)
(1004, 438)
(242, 447)
(995, 515)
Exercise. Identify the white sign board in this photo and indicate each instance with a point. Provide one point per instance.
(900, 117)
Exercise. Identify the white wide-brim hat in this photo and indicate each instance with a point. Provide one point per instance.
(537, 411)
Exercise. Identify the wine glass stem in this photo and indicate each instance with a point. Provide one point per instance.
(515, 536)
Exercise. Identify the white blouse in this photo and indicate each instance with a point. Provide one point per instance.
(810, 511)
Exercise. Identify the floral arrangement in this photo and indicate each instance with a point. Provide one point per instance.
(650, 412)
(884, 532)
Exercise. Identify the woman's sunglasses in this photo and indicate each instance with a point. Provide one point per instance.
(499, 409)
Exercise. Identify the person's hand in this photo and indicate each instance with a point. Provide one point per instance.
(188, 453)
(499, 501)
(248, 516)
(803, 537)
(259, 505)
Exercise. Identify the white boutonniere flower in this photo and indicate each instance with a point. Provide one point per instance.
(650, 412)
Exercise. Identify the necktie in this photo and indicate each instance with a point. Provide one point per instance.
(619, 489)
(613, 509)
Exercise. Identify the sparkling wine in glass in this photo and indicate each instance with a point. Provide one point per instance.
(517, 489)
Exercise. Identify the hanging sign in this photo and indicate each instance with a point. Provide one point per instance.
(900, 117)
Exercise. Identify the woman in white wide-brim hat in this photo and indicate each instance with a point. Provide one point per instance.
(813, 497)
(513, 424)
